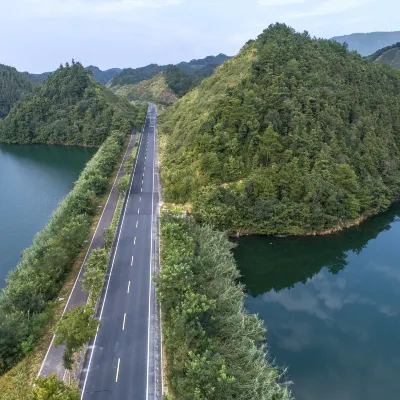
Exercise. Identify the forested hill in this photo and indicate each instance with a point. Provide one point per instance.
(368, 43)
(388, 55)
(293, 135)
(68, 108)
(98, 75)
(180, 78)
(103, 76)
(13, 85)
(154, 89)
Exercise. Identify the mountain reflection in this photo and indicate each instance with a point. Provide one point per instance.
(268, 263)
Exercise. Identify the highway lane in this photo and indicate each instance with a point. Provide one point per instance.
(118, 364)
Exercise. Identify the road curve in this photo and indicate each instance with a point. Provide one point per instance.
(120, 363)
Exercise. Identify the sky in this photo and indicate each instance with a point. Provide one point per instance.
(38, 35)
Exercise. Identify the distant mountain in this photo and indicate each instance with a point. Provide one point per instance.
(13, 85)
(36, 79)
(99, 75)
(179, 78)
(388, 55)
(154, 89)
(103, 76)
(368, 43)
(201, 67)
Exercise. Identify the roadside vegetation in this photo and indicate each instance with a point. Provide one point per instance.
(214, 349)
(25, 303)
(79, 324)
(294, 135)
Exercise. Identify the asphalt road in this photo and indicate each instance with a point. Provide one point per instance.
(52, 362)
(119, 364)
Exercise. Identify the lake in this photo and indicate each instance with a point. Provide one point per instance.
(33, 180)
(331, 305)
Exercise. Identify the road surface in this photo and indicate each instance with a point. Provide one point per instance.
(120, 364)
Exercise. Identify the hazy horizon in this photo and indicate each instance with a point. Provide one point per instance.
(41, 34)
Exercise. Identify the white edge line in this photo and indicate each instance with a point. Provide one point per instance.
(87, 253)
(151, 258)
(159, 270)
(112, 266)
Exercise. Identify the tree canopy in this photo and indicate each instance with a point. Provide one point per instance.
(13, 85)
(294, 135)
(68, 108)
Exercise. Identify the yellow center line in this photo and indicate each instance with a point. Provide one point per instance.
(129, 287)
(123, 324)
(116, 376)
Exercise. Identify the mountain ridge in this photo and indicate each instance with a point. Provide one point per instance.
(369, 42)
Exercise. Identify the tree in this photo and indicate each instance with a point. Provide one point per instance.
(75, 329)
(52, 389)
(93, 277)
(123, 185)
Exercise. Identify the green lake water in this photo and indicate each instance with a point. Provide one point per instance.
(33, 180)
(331, 306)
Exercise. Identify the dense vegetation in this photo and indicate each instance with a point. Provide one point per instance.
(155, 90)
(36, 79)
(103, 76)
(215, 350)
(179, 78)
(293, 135)
(130, 76)
(13, 85)
(368, 43)
(52, 389)
(388, 55)
(68, 108)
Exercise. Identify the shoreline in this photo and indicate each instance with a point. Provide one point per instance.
(330, 231)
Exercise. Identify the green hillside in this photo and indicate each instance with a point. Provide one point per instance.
(68, 108)
(293, 135)
(180, 78)
(154, 89)
(13, 85)
(103, 76)
(388, 55)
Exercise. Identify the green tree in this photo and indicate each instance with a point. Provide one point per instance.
(93, 278)
(75, 329)
(52, 389)
(123, 185)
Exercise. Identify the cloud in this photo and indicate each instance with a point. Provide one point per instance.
(331, 7)
(281, 2)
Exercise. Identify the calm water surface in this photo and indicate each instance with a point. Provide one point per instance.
(332, 308)
(33, 180)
